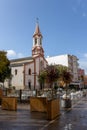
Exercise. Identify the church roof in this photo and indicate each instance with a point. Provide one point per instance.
(20, 61)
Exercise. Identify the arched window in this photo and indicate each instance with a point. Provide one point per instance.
(35, 41)
(29, 84)
(29, 71)
(15, 71)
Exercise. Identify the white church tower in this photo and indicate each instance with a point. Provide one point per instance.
(25, 71)
(37, 42)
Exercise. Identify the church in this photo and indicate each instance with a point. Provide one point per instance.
(25, 71)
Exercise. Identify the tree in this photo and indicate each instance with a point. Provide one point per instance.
(61, 69)
(52, 74)
(66, 77)
(42, 78)
(49, 75)
(5, 70)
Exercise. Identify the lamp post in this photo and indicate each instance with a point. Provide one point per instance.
(34, 74)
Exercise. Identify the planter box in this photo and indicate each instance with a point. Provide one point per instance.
(9, 103)
(38, 104)
(1, 95)
(41, 104)
(53, 109)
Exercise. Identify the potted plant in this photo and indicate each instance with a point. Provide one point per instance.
(49, 75)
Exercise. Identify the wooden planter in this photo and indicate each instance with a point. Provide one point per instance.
(38, 104)
(53, 109)
(9, 103)
(41, 104)
(1, 95)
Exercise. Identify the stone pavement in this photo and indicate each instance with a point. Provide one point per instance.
(23, 119)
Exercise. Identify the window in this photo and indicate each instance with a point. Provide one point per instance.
(29, 72)
(35, 41)
(40, 41)
(41, 65)
(29, 85)
(15, 71)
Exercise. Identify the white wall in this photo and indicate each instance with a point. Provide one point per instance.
(61, 59)
(70, 61)
(17, 80)
(27, 76)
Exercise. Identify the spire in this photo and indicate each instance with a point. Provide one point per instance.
(37, 29)
(37, 48)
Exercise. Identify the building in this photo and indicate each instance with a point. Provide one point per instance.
(25, 71)
(85, 81)
(70, 61)
(81, 73)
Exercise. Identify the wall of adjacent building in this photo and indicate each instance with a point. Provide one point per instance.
(70, 61)
(60, 59)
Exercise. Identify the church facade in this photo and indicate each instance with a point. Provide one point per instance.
(25, 71)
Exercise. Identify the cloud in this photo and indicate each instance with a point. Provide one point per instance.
(11, 54)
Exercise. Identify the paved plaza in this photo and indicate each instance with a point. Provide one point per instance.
(22, 119)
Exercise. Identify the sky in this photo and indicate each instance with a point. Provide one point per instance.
(63, 24)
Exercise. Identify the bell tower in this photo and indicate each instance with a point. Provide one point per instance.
(37, 48)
